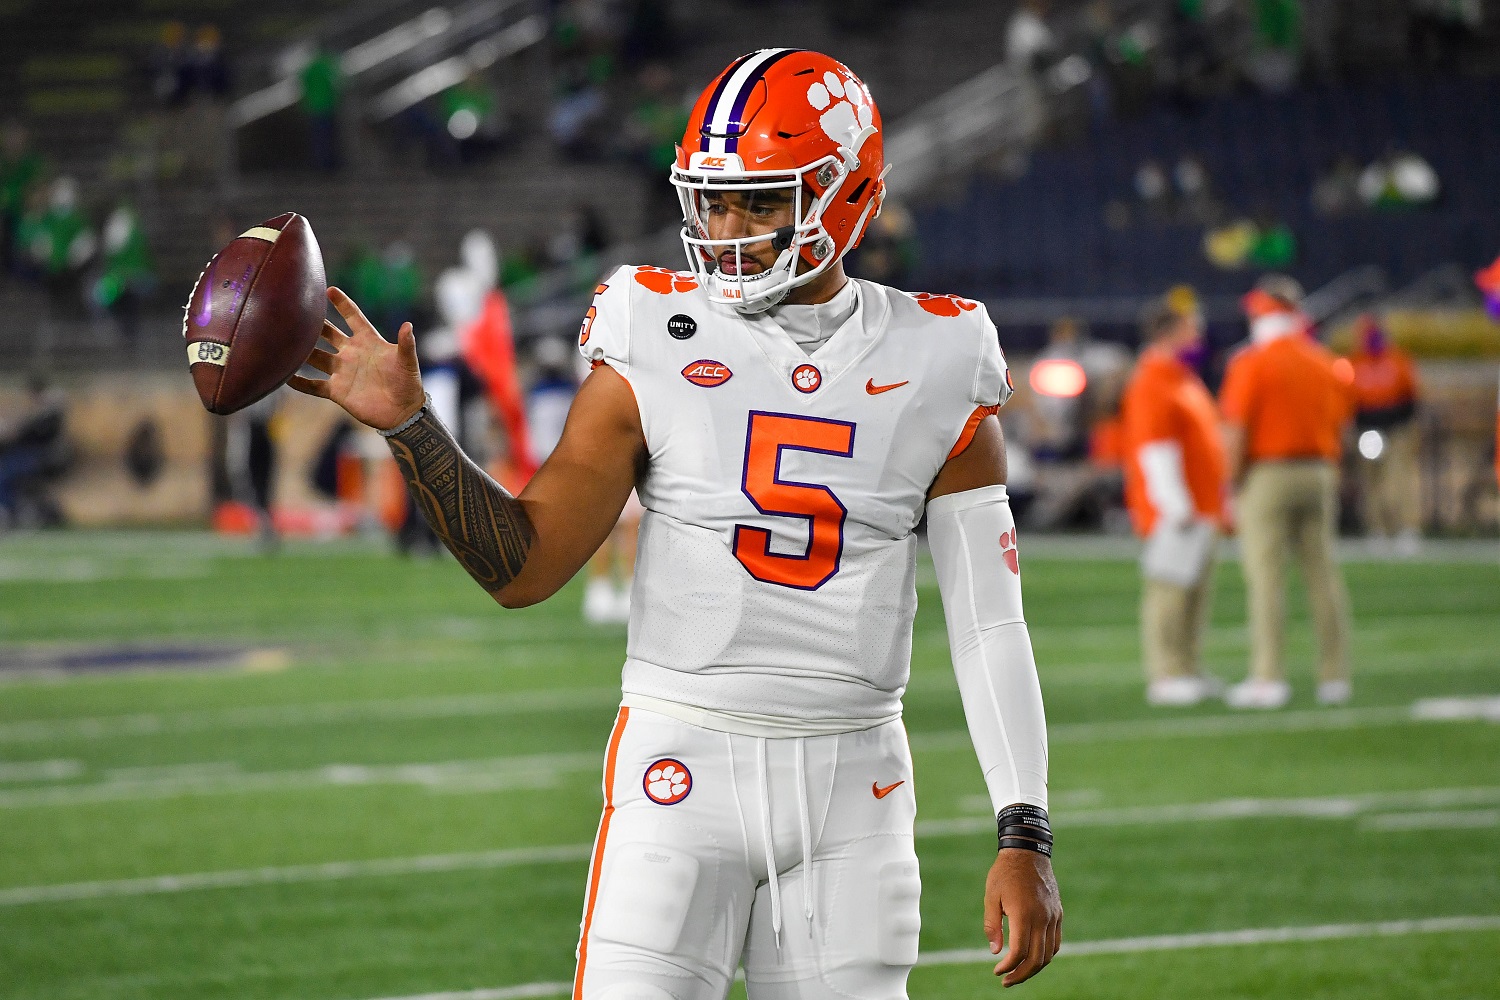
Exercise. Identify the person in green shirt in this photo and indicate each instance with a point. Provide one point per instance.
(127, 278)
(21, 169)
(322, 83)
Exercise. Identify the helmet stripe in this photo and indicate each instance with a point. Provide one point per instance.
(733, 144)
(713, 102)
(730, 101)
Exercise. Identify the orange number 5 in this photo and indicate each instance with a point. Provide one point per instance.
(768, 435)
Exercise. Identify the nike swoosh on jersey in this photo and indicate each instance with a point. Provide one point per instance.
(876, 390)
(881, 793)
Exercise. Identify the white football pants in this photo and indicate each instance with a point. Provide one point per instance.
(795, 856)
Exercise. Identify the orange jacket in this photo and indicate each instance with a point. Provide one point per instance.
(1289, 397)
(1167, 401)
(1384, 384)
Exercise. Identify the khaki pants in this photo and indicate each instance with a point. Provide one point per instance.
(1389, 486)
(1292, 507)
(1173, 620)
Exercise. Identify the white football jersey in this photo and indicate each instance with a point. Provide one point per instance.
(776, 569)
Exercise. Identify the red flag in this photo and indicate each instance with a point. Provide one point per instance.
(490, 352)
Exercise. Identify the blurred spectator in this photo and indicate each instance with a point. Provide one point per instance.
(127, 279)
(1337, 191)
(1267, 243)
(362, 275)
(519, 268)
(21, 169)
(1029, 42)
(1196, 204)
(1285, 408)
(1386, 394)
(33, 452)
(1441, 29)
(250, 462)
(1153, 192)
(1275, 245)
(1074, 382)
(1488, 283)
(1174, 488)
(170, 65)
(322, 82)
(1277, 58)
(473, 125)
(208, 70)
(552, 387)
(652, 132)
(889, 251)
(59, 240)
(401, 286)
(583, 63)
(1400, 179)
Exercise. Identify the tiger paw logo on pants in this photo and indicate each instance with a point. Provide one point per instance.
(667, 782)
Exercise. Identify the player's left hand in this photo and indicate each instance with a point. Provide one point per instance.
(1022, 889)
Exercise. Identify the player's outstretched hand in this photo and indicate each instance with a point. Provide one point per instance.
(376, 382)
(1021, 888)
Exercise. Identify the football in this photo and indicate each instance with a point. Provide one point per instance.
(255, 313)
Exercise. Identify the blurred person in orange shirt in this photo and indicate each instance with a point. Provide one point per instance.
(1175, 471)
(1386, 390)
(1286, 400)
(1488, 281)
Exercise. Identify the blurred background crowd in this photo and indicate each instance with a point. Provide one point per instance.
(476, 166)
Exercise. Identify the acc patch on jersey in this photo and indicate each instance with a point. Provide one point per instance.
(707, 373)
(667, 782)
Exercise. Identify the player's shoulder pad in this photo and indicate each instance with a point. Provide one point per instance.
(976, 342)
(606, 330)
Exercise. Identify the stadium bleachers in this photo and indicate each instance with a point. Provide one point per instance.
(1042, 235)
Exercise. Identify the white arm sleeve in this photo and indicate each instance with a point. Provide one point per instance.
(1161, 467)
(973, 540)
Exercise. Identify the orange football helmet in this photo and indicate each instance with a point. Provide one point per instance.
(789, 119)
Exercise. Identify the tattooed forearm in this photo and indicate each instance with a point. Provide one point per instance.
(484, 526)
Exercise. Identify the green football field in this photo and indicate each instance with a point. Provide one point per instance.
(336, 775)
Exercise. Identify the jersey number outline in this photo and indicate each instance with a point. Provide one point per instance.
(767, 435)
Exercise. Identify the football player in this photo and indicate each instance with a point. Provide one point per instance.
(786, 427)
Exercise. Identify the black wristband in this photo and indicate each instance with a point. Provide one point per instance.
(1026, 845)
(1035, 833)
(1022, 824)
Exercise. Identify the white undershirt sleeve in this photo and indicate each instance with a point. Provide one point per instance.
(973, 540)
(1166, 487)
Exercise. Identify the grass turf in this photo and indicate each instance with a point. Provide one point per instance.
(384, 664)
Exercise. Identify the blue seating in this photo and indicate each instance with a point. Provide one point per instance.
(1045, 234)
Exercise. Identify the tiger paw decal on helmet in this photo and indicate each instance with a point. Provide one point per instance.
(845, 109)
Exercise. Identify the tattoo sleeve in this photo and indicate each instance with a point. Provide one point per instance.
(484, 526)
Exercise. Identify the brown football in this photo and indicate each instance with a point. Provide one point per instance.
(255, 313)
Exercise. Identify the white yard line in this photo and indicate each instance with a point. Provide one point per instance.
(1439, 819)
(1107, 946)
(270, 716)
(134, 785)
(1229, 939)
(327, 872)
(1335, 807)
(1342, 807)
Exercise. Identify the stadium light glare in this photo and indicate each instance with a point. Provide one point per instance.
(1059, 377)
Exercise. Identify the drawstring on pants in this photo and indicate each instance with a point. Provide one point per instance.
(766, 835)
(802, 809)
